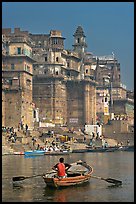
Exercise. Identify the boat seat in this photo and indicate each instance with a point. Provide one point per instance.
(73, 174)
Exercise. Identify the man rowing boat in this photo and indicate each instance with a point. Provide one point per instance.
(61, 168)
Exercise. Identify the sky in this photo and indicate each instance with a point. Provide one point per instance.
(108, 26)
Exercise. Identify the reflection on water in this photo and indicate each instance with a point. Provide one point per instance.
(57, 195)
(118, 165)
(18, 186)
(66, 194)
(114, 186)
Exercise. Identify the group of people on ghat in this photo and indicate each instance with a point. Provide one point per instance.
(49, 146)
(11, 133)
(120, 144)
(94, 137)
(23, 127)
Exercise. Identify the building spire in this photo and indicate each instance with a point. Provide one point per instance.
(79, 40)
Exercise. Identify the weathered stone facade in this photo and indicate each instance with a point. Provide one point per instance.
(60, 89)
(17, 72)
(63, 85)
(124, 109)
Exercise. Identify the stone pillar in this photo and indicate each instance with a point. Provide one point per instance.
(93, 105)
(89, 104)
(86, 103)
(59, 102)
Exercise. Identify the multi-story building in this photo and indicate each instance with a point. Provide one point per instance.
(71, 87)
(107, 74)
(60, 90)
(17, 72)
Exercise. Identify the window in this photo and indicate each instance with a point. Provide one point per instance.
(46, 59)
(34, 114)
(12, 66)
(68, 64)
(55, 41)
(19, 50)
(106, 100)
(57, 59)
(28, 69)
(78, 40)
(86, 71)
(68, 73)
(28, 82)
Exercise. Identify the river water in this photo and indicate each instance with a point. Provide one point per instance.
(117, 165)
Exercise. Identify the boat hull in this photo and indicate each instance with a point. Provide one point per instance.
(57, 153)
(34, 153)
(65, 182)
(126, 148)
(18, 153)
(99, 149)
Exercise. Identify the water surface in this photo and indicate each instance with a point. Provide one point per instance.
(118, 165)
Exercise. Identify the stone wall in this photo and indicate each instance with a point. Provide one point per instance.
(116, 126)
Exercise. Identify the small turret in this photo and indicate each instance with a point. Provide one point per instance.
(79, 40)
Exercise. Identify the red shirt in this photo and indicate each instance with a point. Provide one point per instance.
(61, 169)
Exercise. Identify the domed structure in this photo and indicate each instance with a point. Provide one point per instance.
(79, 38)
(79, 32)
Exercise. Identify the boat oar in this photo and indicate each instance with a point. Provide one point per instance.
(20, 178)
(109, 180)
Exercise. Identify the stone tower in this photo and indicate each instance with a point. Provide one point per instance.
(79, 41)
(80, 47)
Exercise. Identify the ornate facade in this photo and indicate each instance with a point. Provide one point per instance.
(38, 73)
(60, 89)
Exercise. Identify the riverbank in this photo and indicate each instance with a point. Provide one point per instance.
(74, 140)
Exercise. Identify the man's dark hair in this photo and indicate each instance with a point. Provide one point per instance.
(61, 159)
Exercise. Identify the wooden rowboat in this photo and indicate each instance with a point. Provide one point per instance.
(78, 173)
(57, 152)
(19, 153)
(100, 149)
(126, 148)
